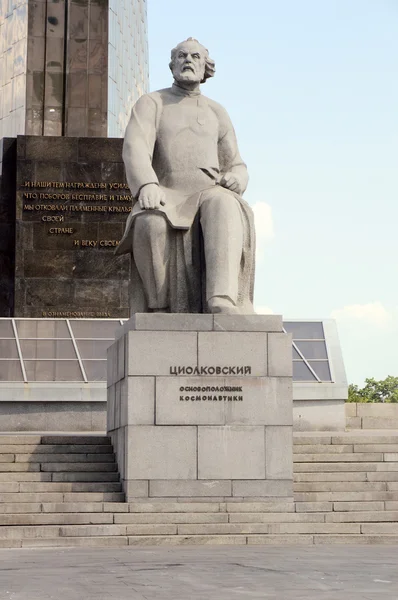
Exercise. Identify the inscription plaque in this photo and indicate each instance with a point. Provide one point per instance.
(71, 201)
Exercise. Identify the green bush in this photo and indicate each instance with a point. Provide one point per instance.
(385, 390)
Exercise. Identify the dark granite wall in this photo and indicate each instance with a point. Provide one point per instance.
(64, 253)
(8, 158)
(67, 68)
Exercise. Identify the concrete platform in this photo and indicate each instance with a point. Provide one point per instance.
(299, 573)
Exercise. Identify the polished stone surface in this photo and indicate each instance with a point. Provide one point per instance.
(71, 200)
(278, 573)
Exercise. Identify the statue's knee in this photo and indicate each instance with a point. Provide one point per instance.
(218, 201)
(150, 224)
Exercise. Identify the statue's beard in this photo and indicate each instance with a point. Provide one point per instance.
(188, 77)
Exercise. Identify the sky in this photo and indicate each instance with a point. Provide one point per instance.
(311, 87)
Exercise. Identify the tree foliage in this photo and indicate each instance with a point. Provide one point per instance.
(385, 390)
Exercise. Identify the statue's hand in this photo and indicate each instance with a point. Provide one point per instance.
(231, 182)
(151, 197)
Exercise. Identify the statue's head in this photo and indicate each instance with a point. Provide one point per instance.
(190, 62)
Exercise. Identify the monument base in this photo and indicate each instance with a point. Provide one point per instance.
(200, 407)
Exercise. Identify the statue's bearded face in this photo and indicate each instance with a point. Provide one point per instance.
(189, 62)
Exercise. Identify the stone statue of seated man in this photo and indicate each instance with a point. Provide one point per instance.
(190, 233)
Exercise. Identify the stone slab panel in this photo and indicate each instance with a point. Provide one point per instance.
(266, 401)
(231, 452)
(278, 452)
(178, 507)
(157, 452)
(207, 488)
(85, 542)
(173, 518)
(280, 540)
(187, 540)
(351, 409)
(273, 488)
(168, 322)
(280, 363)
(266, 323)
(358, 506)
(381, 410)
(235, 349)
(379, 423)
(135, 488)
(280, 506)
(156, 352)
(304, 507)
(138, 401)
(276, 517)
(354, 422)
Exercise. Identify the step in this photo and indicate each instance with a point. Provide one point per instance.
(343, 496)
(63, 467)
(345, 437)
(23, 476)
(340, 458)
(323, 449)
(356, 539)
(359, 506)
(22, 439)
(81, 507)
(339, 486)
(56, 449)
(96, 486)
(56, 519)
(55, 458)
(76, 439)
(362, 516)
(170, 518)
(62, 497)
(84, 476)
(321, 467)
(200, 540)
(334, 476)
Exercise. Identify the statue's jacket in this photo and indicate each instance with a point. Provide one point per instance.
(184, 142)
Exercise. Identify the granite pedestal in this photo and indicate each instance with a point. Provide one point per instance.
(200, 406)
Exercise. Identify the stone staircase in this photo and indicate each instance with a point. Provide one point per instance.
(65, 491)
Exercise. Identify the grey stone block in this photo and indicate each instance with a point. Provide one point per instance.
(231, 452)
(271, 488)
(170, 410)
(173, 507)
(354, 422)
(278, 452)
(265, 323)
(134, 488)
(173, 518)
(157, 452)
(120, 374)
(206, 488)
(118, 407)
(280, 363)
(169, 322)
(278, 401)
(138, 401)
(235, 349)
(156, 352)
(351, 409)
(265, 401)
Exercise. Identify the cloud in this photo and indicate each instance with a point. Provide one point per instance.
(264, 227)
(373, 313)
(263, 310)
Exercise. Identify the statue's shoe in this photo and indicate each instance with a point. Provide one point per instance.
(220, 304)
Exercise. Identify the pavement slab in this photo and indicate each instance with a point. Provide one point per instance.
(200, 573)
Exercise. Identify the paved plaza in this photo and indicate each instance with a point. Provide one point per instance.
(201, 573)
